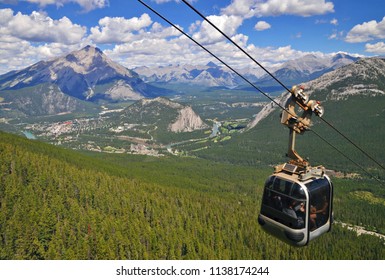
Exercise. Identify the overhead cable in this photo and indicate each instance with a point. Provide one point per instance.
(278, 81)
(247, 81)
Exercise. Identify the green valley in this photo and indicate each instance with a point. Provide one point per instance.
(61, 204)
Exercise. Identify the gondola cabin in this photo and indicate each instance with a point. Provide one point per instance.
(297, 208)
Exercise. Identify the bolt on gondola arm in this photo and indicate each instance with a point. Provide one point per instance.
(298, 124)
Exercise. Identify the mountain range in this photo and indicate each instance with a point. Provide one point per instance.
(209, 75)
(355, 87)
(80, 80)
(65, 83)
(308, 67)
(294, 71)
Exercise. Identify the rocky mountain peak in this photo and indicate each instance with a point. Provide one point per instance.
(87, 74)
(211, 64)
(89, 60)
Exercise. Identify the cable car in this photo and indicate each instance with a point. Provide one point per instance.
(297, 199)
(295, 208)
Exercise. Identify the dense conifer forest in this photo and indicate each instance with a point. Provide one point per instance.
(61, 204)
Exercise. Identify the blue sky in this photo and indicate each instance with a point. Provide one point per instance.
(273, 31)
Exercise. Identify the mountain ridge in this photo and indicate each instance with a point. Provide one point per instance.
(294, 71)
(338, 84)
(85, 74)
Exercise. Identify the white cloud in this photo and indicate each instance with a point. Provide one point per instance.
(138, 41)
(37, 27)
(26, 39)
(366, 31)
(17, 54)
(378, 48)
(87, 5)
(118, 29)
(334, 21)
(242, 8)
(159, 31)
(262, 25)
(336, 35)
(258, 8)
(6, 15)
(208, 35)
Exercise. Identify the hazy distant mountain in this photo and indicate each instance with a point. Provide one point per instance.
(307, 68)
(295, 71)
(210, 75)
(87, 74)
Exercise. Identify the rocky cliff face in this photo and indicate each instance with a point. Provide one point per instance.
(164, 114)
(187, 121)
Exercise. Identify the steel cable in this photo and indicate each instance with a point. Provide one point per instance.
(255, 87)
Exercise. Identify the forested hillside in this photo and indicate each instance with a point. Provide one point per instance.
(361, 119)
(59, 204)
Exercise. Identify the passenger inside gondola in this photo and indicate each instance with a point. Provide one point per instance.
(319, 214)
(295, 212)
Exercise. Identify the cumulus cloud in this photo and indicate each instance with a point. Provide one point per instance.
(138, 41)
(16, 54)
(87, 5)
(118, 29)
(37, 27)
(366, 31)
(378, 48)
(207, 34)
(258, 8)
(262, 25)
(26, 39)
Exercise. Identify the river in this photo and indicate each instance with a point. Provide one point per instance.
(29, 135)
(215, 131)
